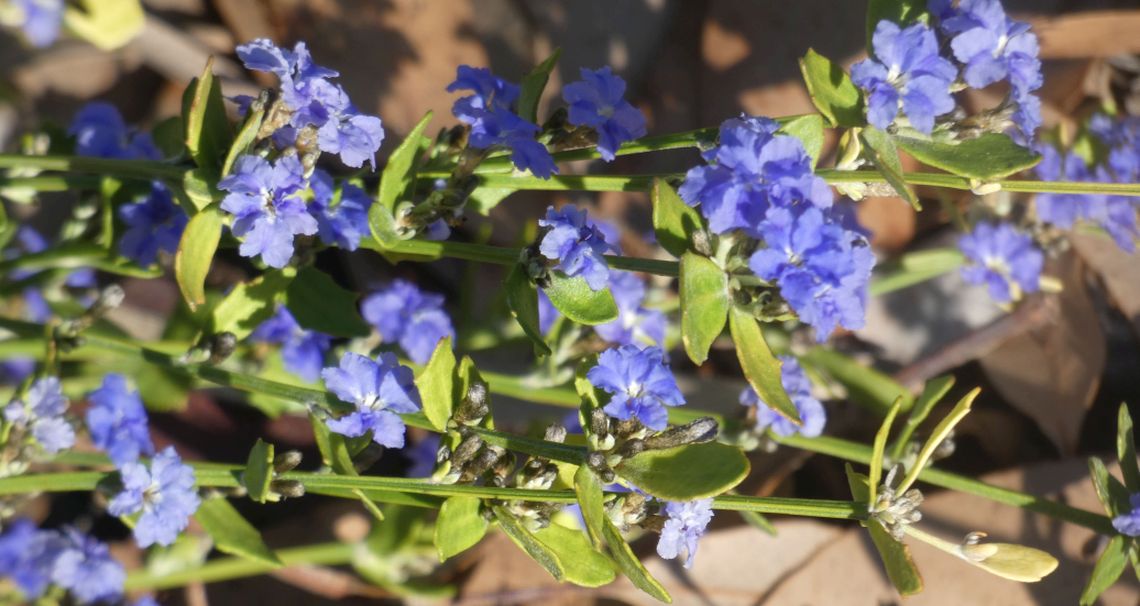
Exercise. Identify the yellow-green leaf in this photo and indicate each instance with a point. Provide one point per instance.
(832, 91)
(580, 303)
(196, 252)
(674, 222)
(208, 131)
(1108, 569)
(761, 367)
(398, 172)
(686, 473)
(591, 501)
(885, 156)
(522, 298)
(108, 24)
(436, 384)
(991, 156)
(704, 304)
(632, 567)
(258, 471)
(808, 128)
(231, 532)
(582, 563)
(460, 526)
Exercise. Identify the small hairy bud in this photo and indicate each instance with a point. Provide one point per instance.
(222, 346)
(286, 461)
(699, 431)
(289, 489)
(555, 433)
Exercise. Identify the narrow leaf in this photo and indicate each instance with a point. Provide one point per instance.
(532, 86)
(249, 304)
(537, 550)
(1126, 449)
(522, 298)
(319, 303)
(832, 91)
(704, 304)
(581, 562)
(591, 501)
(885, 157)
(759, 521)
(245, 138)
(196, 253)
(383, 226)
(258, 471)
(369, 504)
(460, 526)
(1108, 569)
(334, 450)
(199, 189)
(208, 133)
(231, 532)
(632, 567)
(991, 156)
(674, 222)
(877, 449)
(940, 433)
(1112, 494)
(932, 393)
(808, 128)
(578, 302)
(896, 559)
(761, 368)
(686, 473)
(397, 173)
(436, 384)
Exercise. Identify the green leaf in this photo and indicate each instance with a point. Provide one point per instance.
(885, 156)
(522, 298)
(108, 24)
(244, 140)
(991, 156)
(196, 253)
(1010, 561)
(704, 304)
(1112, 494)
(369, 504)
(582, 564)
(199, 190)
(334, 450)
(319, 303)
(914, 268)
(896, 559)
(258, 471)
(759, 521)
(168, 137)
(231, 532)
(674, 222)
(761, 367)
(1126, 449)
(436, 384)
(249, 304)
(460, 526)
(208, 133)
(483, 199)
(832, 91)
(932, 393)
(383, 226)
(902, 12)
(808, 128)
(591, 501)
(686, 473)
(878, 447)
(578, 302)
(532, 86)
(1108, 569)
(865, 385)
(537, 550)
(632, 567)
(397, 173)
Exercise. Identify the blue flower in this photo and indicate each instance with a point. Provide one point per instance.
(267, 209)
(597, 101)
(303, 351)
(117, 421)
(547, 312)
(635, 324)
(41, 412)
(85, 567)
(379, 390)
(639, 382)
(684, 527)
(164, 496)
(821, 266)
(751, 170)
(576, 244)
(100, 132)
(906, 73)
(316, 102)
(342, 217)
(993, 47)
(41, 20)
(493, 122)
(409, 316)
(1003, 259)
(798, 386)
(422, 456)
(1061, 210)
(154, 224)
(1129, 523)
(27, 556)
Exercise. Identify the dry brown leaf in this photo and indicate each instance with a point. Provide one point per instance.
(1118, 271)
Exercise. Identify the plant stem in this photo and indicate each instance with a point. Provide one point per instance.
(224, 569)
(52, 183)
(141, 169)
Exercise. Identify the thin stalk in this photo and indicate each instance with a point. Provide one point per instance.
(141, 169)
(682, 140)
(225, 569)
(52, 183)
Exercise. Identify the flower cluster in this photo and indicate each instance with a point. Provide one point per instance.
(761, 183)
(35, 560)
(268, 211)
(576, 244)
(41, 413)
(117, 421)
(303, 351)
(598, 101)
(1002, 258)
(406, 315)
(342, 215)
(798, 386)
(1121, 164)
(909, 75)
(315, 103)
(494, 123)
(684, 526)
(380, 390)
(639, 382)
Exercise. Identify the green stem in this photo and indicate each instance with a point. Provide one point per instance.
(141, 169)
(52, 183)
(225, 569)
(682, 140)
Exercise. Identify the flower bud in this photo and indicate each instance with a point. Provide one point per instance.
(286, 461)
